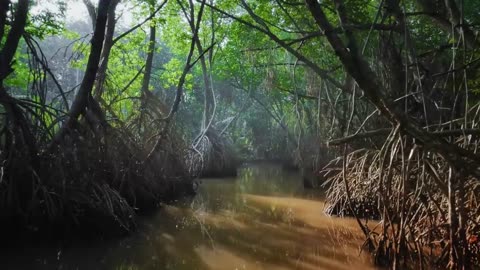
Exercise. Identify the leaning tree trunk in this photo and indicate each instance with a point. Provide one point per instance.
(20, 143)
(95, 115)
(107, 47)
(6, 61)
(85, 91)
(3, 17)
(149, 61)
(159, 108)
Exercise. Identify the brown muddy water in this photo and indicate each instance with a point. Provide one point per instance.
(262, 219)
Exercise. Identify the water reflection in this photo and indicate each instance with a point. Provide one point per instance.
(263, 219)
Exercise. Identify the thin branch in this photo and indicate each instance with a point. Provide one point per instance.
(140, 24)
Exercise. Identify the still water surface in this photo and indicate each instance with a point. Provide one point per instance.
(262, 219)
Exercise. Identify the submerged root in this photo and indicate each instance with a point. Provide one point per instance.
(213, 156)
(424, 208)
(94, 179)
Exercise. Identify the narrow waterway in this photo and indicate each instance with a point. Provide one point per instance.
(262, 219)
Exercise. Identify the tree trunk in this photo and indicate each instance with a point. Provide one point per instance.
(149, 62)
(22, 137)
(13, 38)
(81, 99)
(4, 4)
(159, 108)
(6, 58)
(107, 47)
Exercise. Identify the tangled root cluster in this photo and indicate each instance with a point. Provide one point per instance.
(424, 207)
(89, 182)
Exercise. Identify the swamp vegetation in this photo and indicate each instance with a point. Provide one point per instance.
(113, 109)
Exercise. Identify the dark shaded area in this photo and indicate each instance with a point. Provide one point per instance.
(230, 222)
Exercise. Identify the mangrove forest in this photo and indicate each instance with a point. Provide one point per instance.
(239, 134)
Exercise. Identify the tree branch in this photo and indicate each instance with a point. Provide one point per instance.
(140, 24)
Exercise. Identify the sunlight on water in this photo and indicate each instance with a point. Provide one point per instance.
(263, 219)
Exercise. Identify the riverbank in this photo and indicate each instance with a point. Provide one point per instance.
(261, 219)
